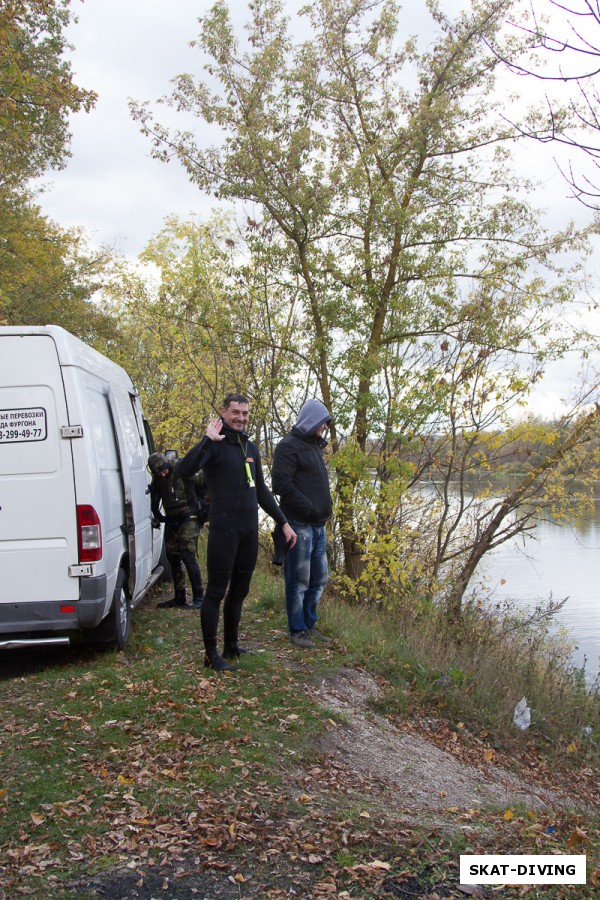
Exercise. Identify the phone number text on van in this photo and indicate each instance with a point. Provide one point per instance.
(18, 425)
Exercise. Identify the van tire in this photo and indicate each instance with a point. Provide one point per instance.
(120, 611)
(114, 630)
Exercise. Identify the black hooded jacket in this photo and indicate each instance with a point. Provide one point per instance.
(299, 473)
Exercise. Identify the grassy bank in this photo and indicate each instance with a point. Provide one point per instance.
(477, 674)
(141, 774)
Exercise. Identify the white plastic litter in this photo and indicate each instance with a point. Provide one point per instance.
(522, 715)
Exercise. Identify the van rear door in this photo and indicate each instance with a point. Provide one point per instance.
(38, 526)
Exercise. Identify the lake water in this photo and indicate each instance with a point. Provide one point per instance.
(562, 561)
(558, 562)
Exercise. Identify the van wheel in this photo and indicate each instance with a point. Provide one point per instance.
(114, 630)
(120, 612)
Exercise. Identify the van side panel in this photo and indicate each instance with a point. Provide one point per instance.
(38, 527)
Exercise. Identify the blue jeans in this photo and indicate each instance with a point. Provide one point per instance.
(305, 570)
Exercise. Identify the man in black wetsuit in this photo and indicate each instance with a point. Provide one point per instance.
(233, 472)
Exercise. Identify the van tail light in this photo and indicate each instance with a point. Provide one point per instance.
(89, 534)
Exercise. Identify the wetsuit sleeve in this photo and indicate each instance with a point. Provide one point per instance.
(200, 454)
(265, 498)
(285, 465)
(154, 501)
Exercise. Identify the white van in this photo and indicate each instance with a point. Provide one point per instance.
(77, 546)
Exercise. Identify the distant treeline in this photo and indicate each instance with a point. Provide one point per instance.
(488, 456)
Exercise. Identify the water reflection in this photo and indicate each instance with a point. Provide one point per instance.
(558, 562)
(561, 561)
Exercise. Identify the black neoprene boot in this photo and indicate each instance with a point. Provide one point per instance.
(177, 601)
(197, 589)
(234, 651)
(197, 601)
(213, 660)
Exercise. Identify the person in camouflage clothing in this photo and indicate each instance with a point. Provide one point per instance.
(184, 502)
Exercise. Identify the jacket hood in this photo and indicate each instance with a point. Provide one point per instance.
(312, 415)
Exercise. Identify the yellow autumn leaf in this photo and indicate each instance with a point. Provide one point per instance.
(508, 815)
(488, 755)
(231, 829)
(364, 815)
(572, 748)
(3, 792)
(304, 798)
(37, 819)
(239, 878)
(122, 780)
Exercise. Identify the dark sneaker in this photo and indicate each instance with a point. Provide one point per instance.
(196, 603)
(172, 604)
(301, 639)
(318, 635)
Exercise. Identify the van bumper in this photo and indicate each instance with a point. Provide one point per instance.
(46, 615)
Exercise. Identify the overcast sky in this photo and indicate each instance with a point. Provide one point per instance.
(124, 49)
(131, 50)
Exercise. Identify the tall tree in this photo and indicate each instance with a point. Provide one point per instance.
(197, 322)
(562, 52)
(47, 274)
(380, 174)
(37, 92)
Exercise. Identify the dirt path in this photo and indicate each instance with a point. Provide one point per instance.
(413, 772)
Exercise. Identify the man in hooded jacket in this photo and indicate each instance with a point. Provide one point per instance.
(300, 479)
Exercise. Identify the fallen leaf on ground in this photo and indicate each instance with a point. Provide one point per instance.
(578, 837)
